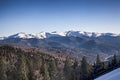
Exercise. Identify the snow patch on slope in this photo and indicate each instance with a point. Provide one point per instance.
(22, 35)
(114, 75)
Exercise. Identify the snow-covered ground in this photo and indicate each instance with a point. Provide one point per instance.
(114, 75)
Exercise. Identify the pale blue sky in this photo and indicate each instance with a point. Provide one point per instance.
(33, 16)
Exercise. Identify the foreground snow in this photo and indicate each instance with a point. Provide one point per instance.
(114, 75)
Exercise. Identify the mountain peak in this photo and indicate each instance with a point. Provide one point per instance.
(21, 35)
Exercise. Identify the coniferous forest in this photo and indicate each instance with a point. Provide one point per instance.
(18, 64)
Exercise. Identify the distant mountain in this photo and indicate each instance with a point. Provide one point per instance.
(21, 35)
(75, 43)
(43, 35)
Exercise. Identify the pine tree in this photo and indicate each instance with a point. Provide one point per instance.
(98, 61)
(98, 66)
(68, 69)
(114, 61)
(23, 68)
(3, 69)
(75, 71)
(85, 69)
(53, 70)
(44, 71)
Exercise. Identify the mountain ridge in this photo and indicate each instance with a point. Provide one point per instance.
(43, 35)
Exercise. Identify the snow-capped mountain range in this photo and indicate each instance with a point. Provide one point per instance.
(43, 35)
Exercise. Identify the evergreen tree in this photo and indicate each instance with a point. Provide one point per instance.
(98, 61)
(85, 69)
(114, 61)
(44, 71)
(99, 64)
(53, 70)
(3, 69)
(68, 69)
(75, 71)
(23, 68)
(30, 67)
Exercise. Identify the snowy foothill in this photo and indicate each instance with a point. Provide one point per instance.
(113, 75)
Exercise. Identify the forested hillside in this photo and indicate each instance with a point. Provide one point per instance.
(19, 64)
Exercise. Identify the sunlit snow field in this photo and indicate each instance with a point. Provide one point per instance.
(114, 75)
